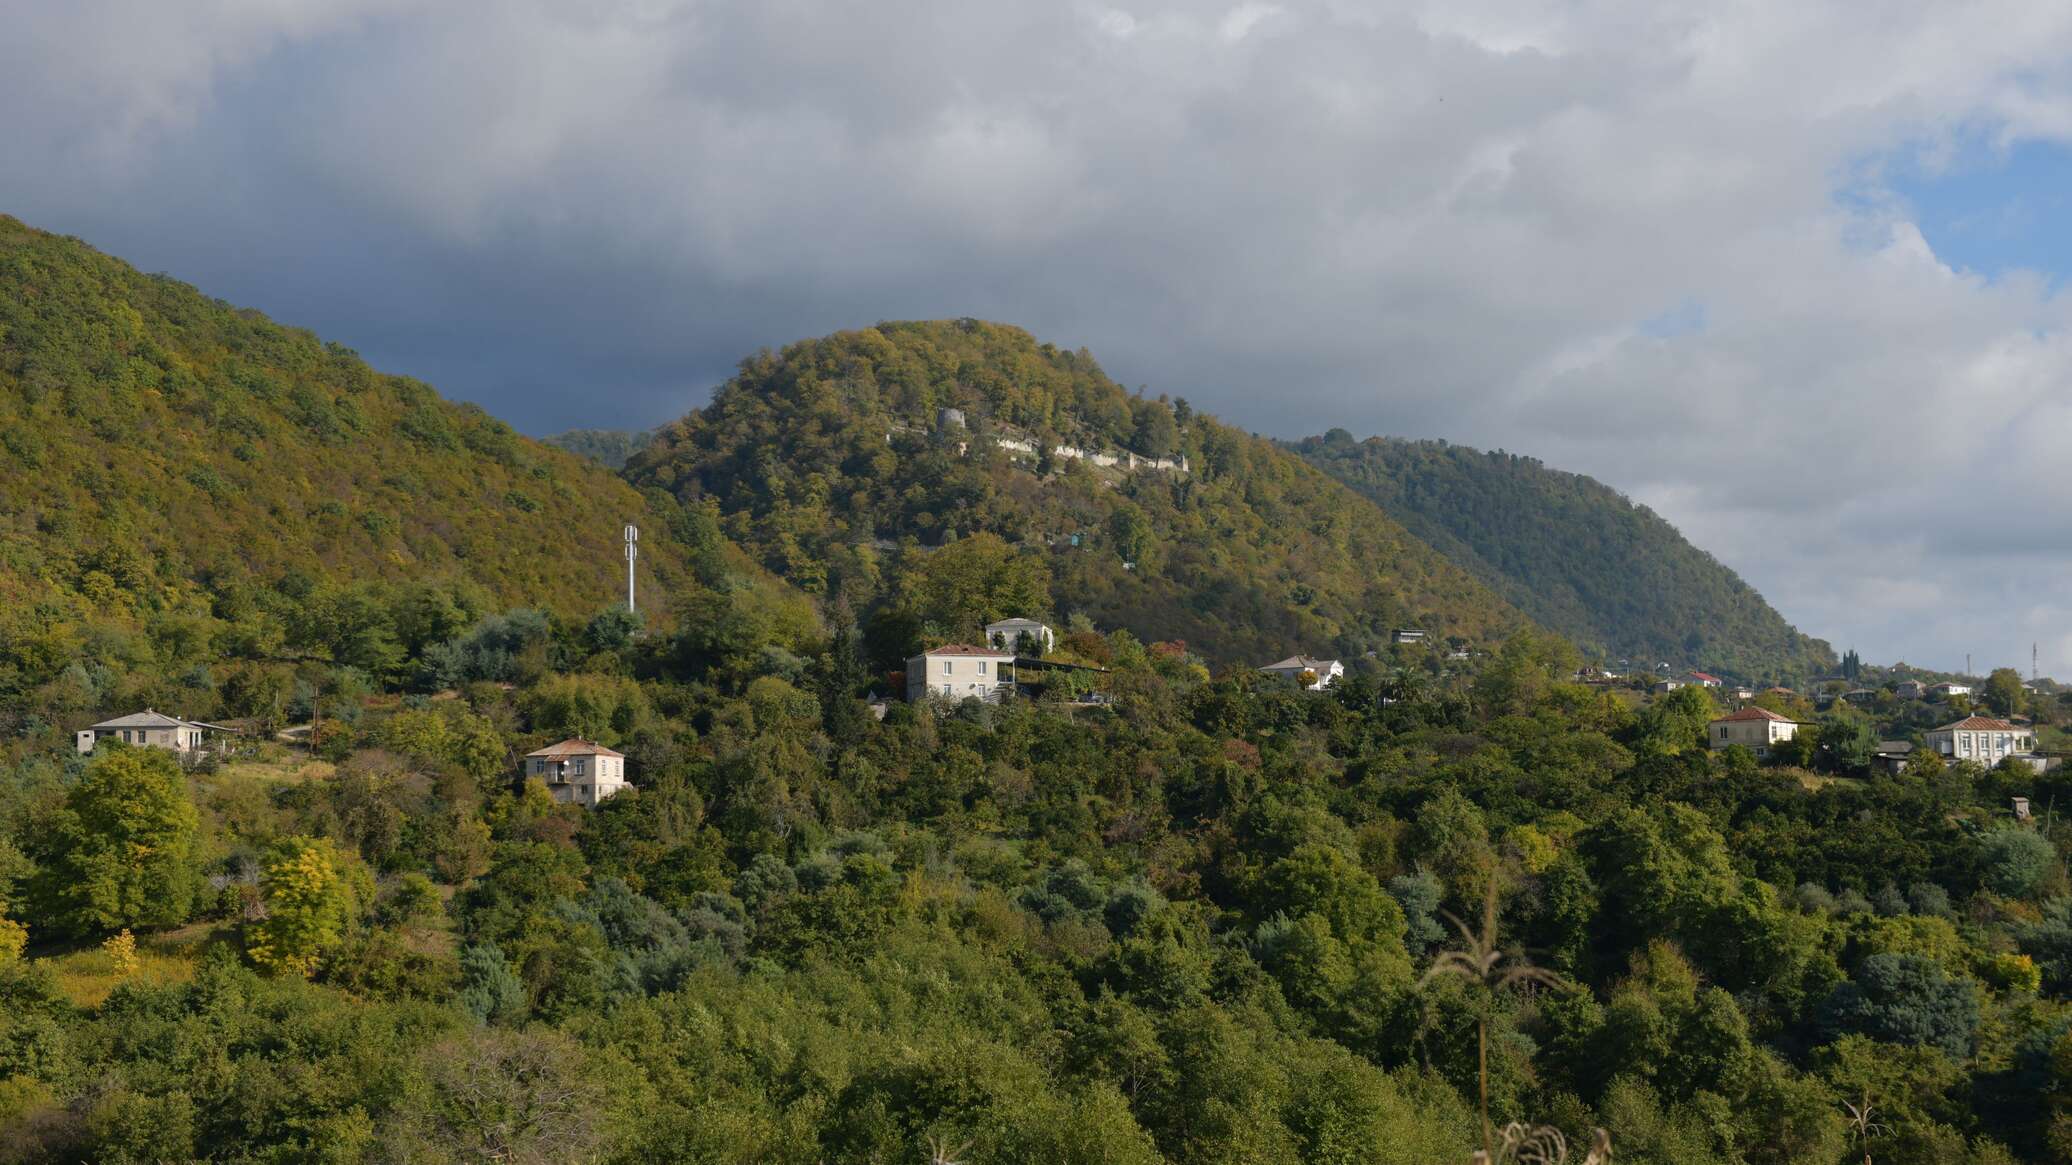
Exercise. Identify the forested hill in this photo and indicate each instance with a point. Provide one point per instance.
(611, 448)
(1576, 555)
(834, 461)
(223, 484)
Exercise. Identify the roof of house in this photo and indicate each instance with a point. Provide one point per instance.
(1699, 675)
(967, 649)
(1979, 724)
(1895, 748)
(1755, 714)
(1300, 663)
(146, 719)
(1947, 684)
(574, 746)
(1017, 621)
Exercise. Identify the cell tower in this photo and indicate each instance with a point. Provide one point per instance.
(632, 552)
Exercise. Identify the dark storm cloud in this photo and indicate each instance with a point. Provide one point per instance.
(1459, 219)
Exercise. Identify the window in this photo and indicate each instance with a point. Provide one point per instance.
(982, 667)
(579, 767)
(947, 667)
(1964, 743)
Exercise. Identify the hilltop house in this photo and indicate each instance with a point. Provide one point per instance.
(1948, 690)
(1322, 672)
(1983, 739)
(1910, 690)
(1665, 686)
(1407, 635)
(1705, 681)
(1752, 728)
(957, 671)
(147, 728)
(578, 771)
(1021, 635)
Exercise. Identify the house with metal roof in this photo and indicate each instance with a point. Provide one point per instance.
(1321, 672)
(1983, 739)
(1019, 635)
(149, 729)
(578, 771)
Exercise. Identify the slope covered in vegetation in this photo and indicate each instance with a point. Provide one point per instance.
(611, 448)
(186, 483)
(834, 461)
(1576, 555)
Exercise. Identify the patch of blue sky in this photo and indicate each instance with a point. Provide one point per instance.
(1986, 207)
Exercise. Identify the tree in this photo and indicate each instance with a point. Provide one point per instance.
(2015, 861)
(122, 851)
(1905, 999)
(2004, 693)
(310, 896)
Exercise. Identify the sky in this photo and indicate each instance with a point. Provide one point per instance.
(1789, 272)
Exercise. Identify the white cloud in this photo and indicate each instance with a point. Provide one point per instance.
(1461, 218)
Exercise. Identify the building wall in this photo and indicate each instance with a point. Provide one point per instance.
(954, 677)
(1754, 734)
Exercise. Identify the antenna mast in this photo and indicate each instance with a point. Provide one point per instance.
(632, 552)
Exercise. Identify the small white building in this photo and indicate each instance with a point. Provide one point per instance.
(148, 729)
(1322, 673)
(578, 771)
(1407, 635)
(958, 671)
(1983, 739)
(1755, 729)
(1012, 634)
(1948, 690)
(1664, 687)
(1705, 681)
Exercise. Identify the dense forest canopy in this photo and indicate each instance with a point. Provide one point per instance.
(1211, 917)
(836, 462)
(1577, 556)
(611, 448)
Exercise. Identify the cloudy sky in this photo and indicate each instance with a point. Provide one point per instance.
(1789, 271)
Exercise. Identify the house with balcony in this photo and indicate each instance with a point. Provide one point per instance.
(578, 771)
(1985, 740)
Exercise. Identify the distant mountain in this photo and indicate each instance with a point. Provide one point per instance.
(1576, 555)
(611, 448)
(173, 460)
(849, 462)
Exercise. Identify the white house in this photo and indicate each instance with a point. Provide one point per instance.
(1948, 690)
(1322, 672)
(1664, 687)
(578, 771)
(149, 728)
(1982, 739)
(957, 671)
(1407, 635)
(1752, 728)
(1010, 634)
(1705, 681)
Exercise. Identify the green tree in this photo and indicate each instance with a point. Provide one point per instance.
(2004, 693)
(1905, 999)
(122, 852)
(2015, 861)
(311, 897)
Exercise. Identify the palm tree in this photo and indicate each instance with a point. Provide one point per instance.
(1483, 962)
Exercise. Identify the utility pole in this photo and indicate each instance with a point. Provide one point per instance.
(632, 552)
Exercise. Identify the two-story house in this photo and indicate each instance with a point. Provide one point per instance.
(958, 671)
(578, 771)
(1982, 739)
(1022, 636)
(1753, 728)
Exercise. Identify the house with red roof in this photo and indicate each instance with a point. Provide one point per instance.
(1982, 739)
(1705, 681)
(578, 771)
(957, 671)
(1755, 729)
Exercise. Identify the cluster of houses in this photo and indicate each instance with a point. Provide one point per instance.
(1983, 739)
(1008, 664)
